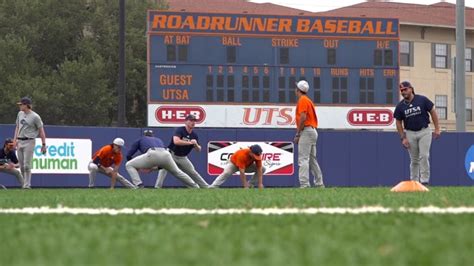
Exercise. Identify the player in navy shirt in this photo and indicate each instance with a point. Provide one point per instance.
(154, 156)
(9, 162)
(413, 118)
(184, 140)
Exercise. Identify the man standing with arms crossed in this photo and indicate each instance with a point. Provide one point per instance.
(306, 137)
(28, 126)
(184, 140)
(414, 111)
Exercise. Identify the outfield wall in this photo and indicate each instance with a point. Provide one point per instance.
(347, 158)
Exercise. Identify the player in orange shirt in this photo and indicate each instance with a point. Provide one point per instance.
(103, 160)
(306, 137)
(247, 160)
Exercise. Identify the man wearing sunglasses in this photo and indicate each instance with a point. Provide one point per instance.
(413, 118)
(9, 162)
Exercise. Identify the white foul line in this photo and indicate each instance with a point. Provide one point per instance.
(254, 211)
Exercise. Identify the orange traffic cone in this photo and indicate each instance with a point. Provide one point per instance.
(409, 186)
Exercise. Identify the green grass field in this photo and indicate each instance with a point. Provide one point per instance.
(321, 239)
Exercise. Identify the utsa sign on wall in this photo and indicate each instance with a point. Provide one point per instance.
(277, 157)
(270, 116)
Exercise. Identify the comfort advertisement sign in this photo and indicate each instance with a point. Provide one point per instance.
(277, 157)
(63, 156)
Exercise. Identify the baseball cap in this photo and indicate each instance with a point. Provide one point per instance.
(148, 132)
(302, 85)
(257, 151)
(119, 142)
(191, 117)
(24, 100)
(405, 84)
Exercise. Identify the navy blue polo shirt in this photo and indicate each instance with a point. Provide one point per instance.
(183, 134)
(415, 115)
(143, 144)
(9, 156)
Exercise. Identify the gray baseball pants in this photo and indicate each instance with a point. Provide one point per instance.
(93, 169)
(157, 157)
(14, 172)
(25, 157)
(187, 167)
(420, 143)
(307, 158)
(230, 169)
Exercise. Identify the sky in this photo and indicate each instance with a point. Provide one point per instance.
(324, 5)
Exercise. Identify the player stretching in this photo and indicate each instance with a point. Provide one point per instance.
(103, 160)
(184, 140)
(247, 160)
(154, 156)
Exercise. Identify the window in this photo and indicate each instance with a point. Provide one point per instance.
(339, 90)
(170, 53)
(469, 109)
(281, 90)
(441, 55)
(389, 93)
(406, 53)
(441, 103)
(230, 88)
(331, 56)
(317, 89)
(245, 89)
(266, 88)
(182, 53)
(468, 55)
(284, 55)
(209, 85)
(366, 86)
(231, 54)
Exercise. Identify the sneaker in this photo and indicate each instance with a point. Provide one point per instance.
(320, 186)
(425, 184)
(141, 186)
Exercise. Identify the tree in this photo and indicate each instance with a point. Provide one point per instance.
(64, 54)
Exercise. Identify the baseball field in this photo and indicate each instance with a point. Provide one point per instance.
(332, 226)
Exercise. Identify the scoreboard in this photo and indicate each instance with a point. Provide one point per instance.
(222, 65)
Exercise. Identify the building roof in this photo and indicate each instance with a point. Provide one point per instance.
(440, 14)
(233, 6)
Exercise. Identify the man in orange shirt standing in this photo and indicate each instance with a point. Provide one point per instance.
(247, 160)
(306, 137)
(102, 161)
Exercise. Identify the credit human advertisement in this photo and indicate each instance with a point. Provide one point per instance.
(270, 116)
(63, 156)
(277, 156)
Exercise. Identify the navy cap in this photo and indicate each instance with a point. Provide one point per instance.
(405, 84)
(25, 101)
(148, 132)
(191, 117)
(257, 151)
